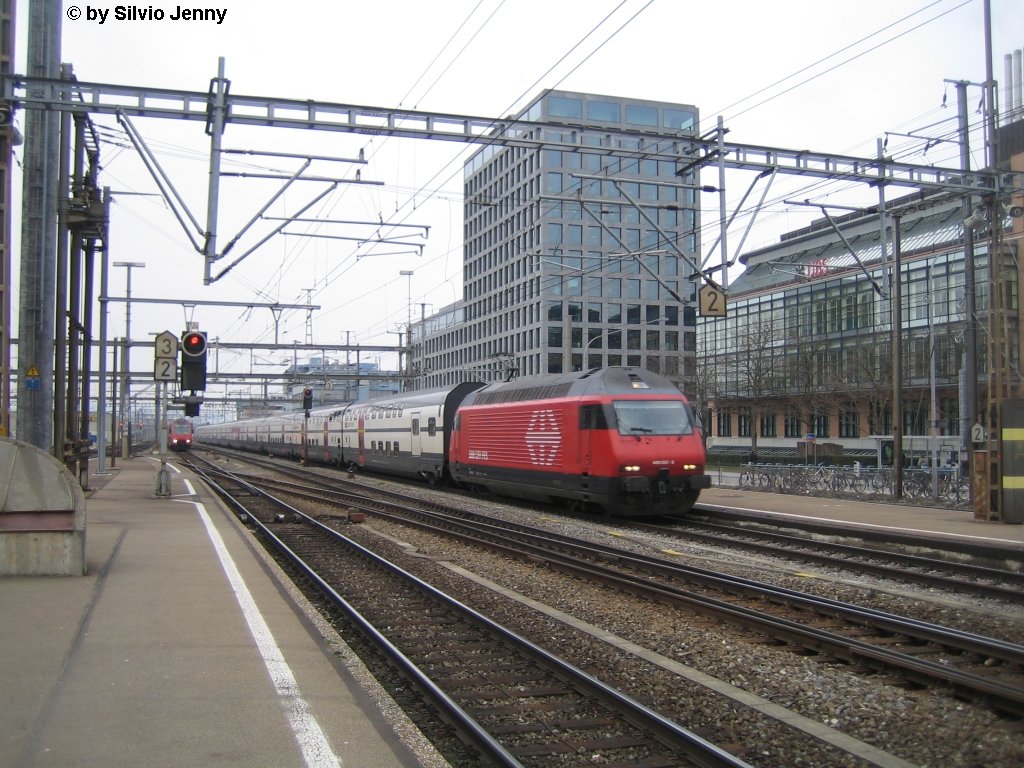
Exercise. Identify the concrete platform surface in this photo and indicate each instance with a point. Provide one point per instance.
(180, 647)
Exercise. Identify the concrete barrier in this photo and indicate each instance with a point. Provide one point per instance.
(42, 514)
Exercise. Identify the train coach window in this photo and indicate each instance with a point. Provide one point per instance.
(431, 426)
(415, 426)
(397, 452)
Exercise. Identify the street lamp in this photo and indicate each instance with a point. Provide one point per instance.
(126, 430)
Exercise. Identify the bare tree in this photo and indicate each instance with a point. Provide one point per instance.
(748, 375)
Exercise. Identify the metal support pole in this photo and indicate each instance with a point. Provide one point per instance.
(722, 203)
(215, 128)
(101, 403)
(970, 394)
(38, 237)
(126, 434)
(60, 320)
(897, 361)
(163, 479)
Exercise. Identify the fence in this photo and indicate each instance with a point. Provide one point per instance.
(856, 482)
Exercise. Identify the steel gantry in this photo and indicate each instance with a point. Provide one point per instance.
(218, 107)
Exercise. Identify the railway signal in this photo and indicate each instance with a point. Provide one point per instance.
(193, 360)
(307, 399)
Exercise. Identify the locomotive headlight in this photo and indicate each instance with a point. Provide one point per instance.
(689, 466)
(631, 468)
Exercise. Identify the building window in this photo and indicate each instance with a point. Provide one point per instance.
(562, 106)
(793, 425)
(603, 111)
(819, 425)
(743, 423)
(641, 115)
(849, 421)
(768, 425)
(724, 423)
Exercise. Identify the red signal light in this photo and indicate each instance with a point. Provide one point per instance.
(194, 343)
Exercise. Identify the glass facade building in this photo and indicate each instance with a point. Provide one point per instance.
(807, 347)
(579, 247)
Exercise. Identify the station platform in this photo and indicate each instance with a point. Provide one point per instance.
(181, 647)
(908, 521)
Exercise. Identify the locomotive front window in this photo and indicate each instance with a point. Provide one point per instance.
(652, 417)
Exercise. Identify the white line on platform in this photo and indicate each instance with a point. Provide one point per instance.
(316, 749)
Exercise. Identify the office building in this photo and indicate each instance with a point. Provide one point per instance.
(578, 247)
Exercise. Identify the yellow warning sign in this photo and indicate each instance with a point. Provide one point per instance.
(32, 371)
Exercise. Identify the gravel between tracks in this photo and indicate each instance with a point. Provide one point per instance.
(923, 728)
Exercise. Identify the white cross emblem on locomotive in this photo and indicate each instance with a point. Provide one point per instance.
(543, 438)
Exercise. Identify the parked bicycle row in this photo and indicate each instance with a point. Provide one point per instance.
(944, 485)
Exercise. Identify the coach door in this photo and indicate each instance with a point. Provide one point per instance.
(415, 444)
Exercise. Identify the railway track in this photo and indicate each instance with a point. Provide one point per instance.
(968, 665)
(945, 574)
(515, 703)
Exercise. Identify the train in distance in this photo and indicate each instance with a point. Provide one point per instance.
(622, 440)
(179, 435)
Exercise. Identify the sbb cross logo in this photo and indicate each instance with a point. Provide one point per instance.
(543, 438)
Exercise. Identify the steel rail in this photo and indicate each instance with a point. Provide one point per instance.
(701, 752)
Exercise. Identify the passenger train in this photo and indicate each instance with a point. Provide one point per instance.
(619, 439)
(179, 435)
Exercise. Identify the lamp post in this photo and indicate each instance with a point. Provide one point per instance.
(126, 432)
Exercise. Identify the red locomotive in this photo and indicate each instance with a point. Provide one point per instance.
(621, 439)
(179, 435)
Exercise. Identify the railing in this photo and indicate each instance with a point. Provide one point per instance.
(855, 482)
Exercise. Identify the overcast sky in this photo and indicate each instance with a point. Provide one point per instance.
(815, 74)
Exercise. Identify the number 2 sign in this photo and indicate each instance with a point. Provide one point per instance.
(712, 301)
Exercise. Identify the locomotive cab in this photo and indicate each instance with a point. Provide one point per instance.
(648, 451)
(623, 440)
